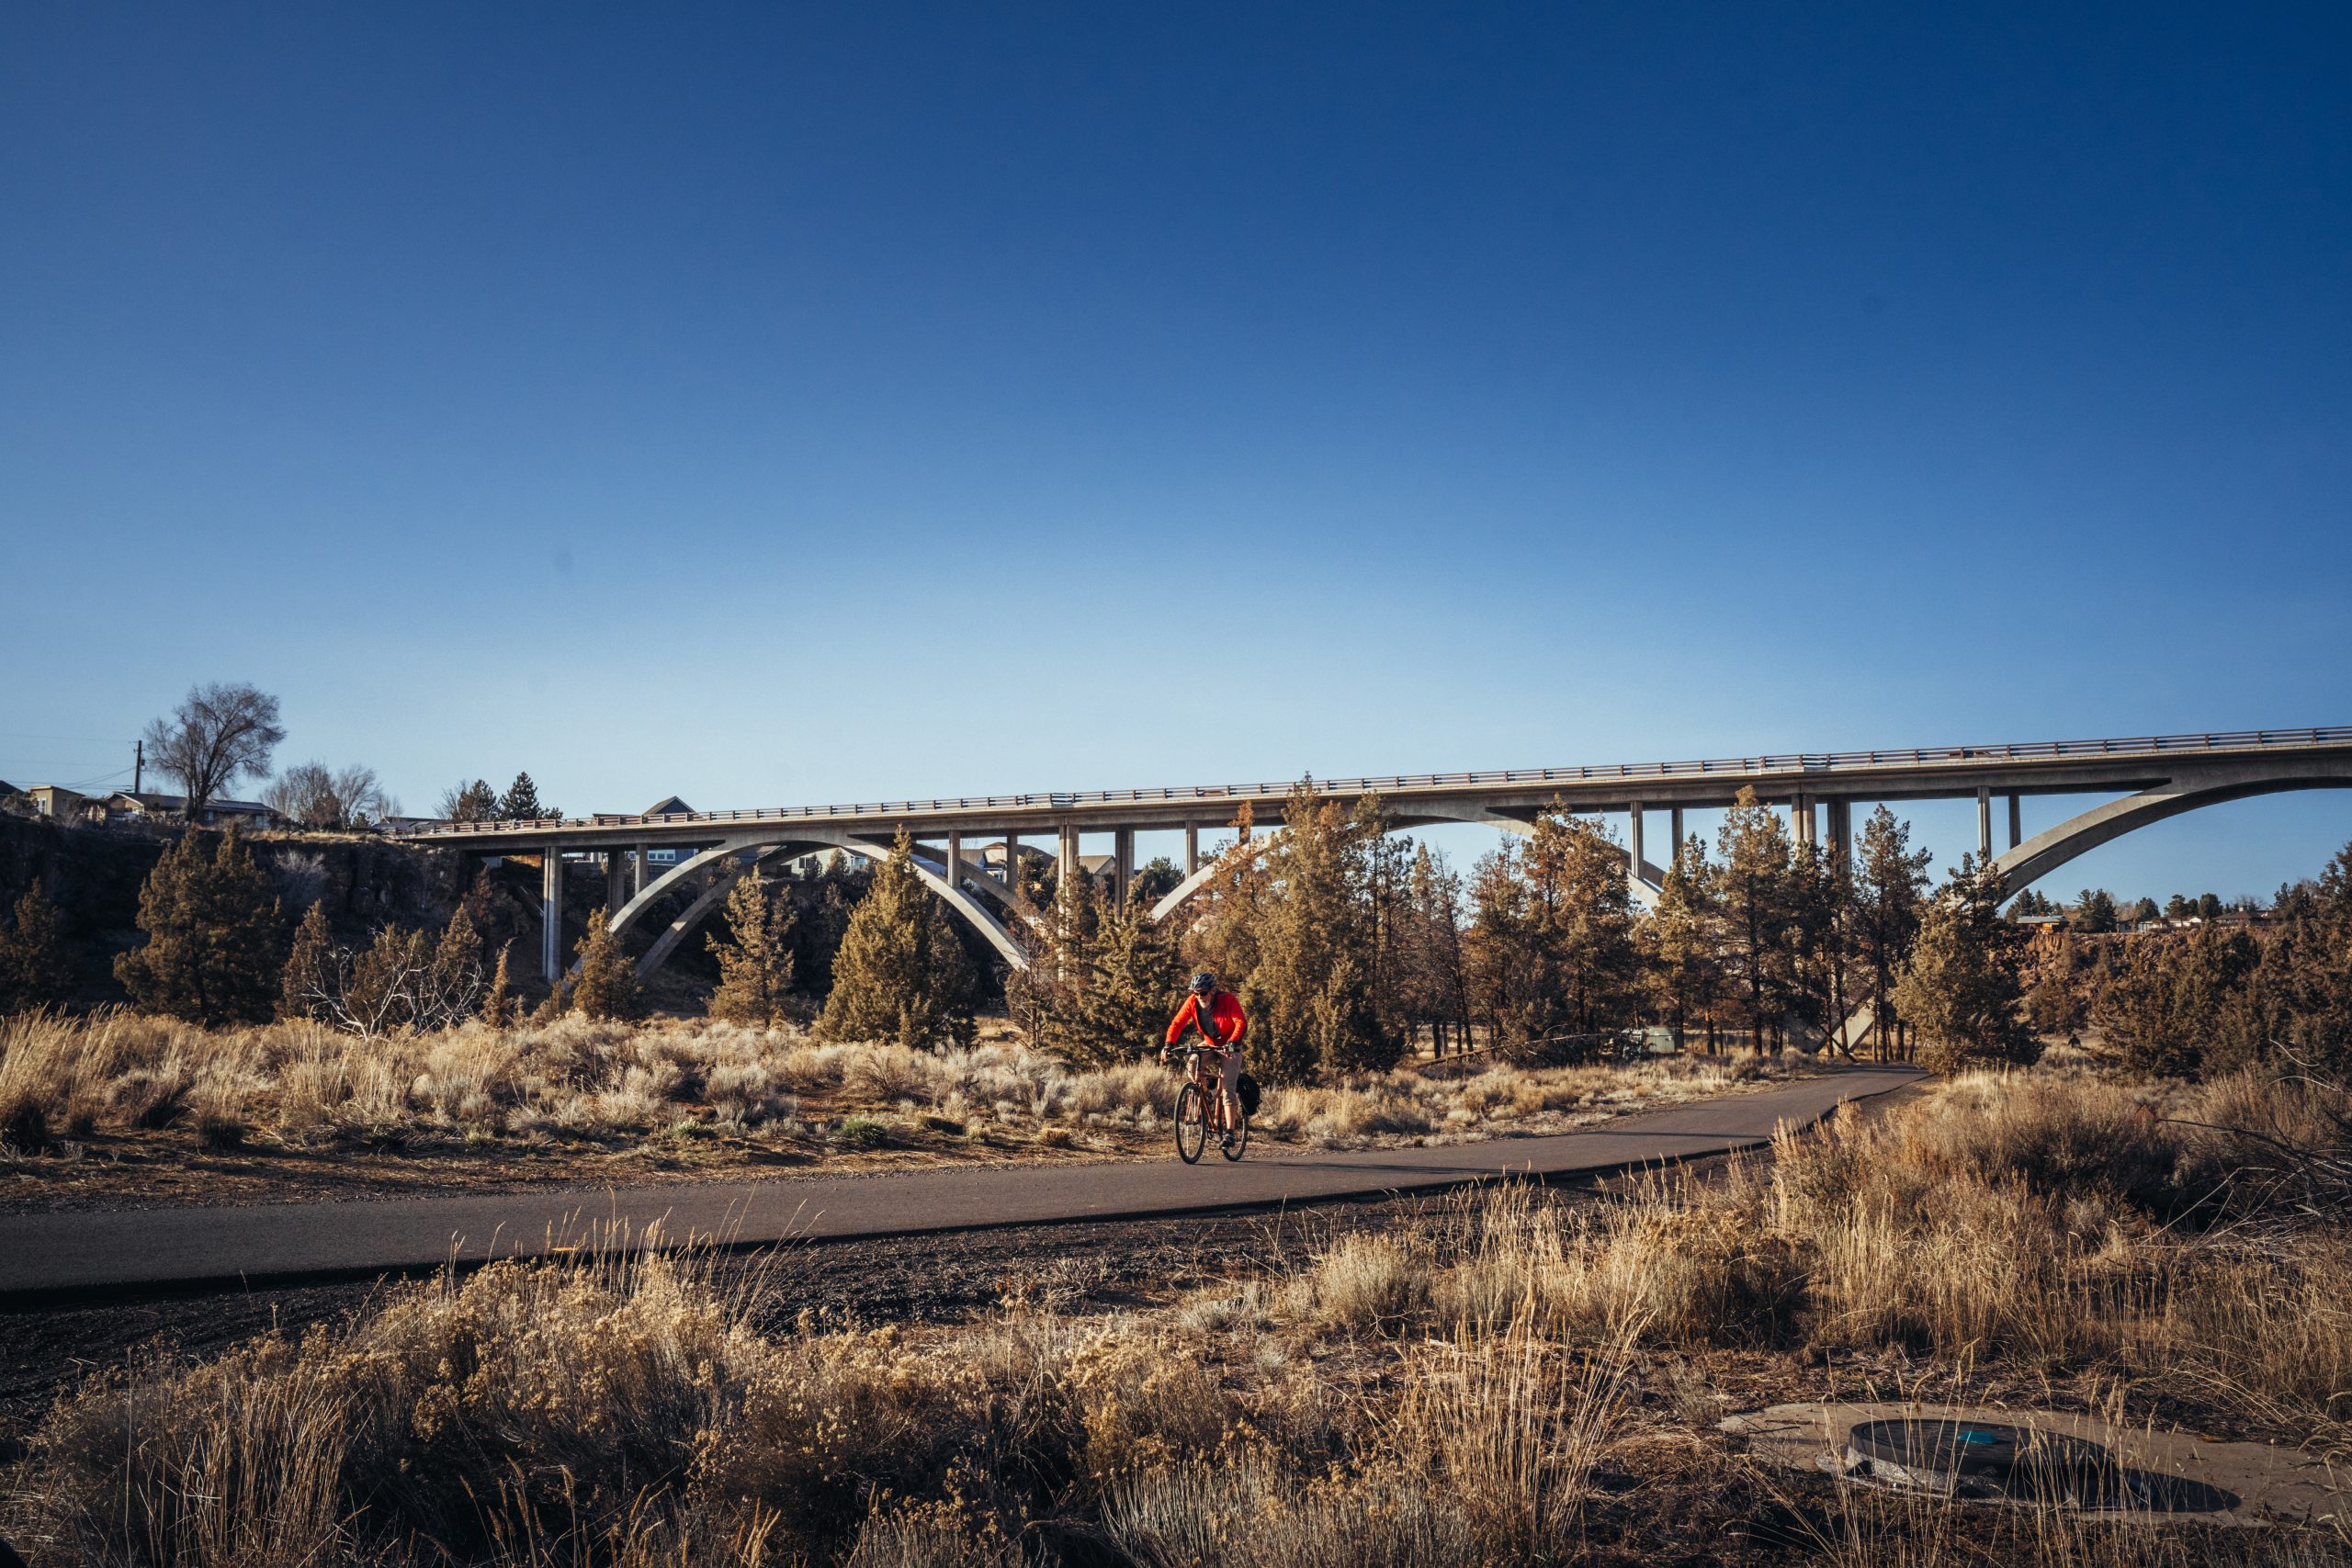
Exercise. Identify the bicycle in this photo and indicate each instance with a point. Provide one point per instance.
(1202, 1102)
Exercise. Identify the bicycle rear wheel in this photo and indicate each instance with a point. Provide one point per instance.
(1192, 1124)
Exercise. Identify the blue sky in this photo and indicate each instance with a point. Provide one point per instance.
(779, 404)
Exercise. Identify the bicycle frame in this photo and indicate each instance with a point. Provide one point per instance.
(1207, 1078)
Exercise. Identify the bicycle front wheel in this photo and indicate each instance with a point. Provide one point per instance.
(1240, 1143)
(1192, 1122)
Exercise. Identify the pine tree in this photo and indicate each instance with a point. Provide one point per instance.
(521, 802)
(1436, 984)
(309, 977)
(498, 1001)
(1311, 996)
(605, 986)
(1887, 896)
(1755, 885)
(1962, 988)
(214, 936)
(1584, 918)
(476, 803)
(1682, 938)
(900, 974)
(2094, 910)
(755, 962)
(35, 970)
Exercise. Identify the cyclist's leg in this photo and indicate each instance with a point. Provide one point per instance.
(1230, 1090)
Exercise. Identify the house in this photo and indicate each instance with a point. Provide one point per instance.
(60, 804)
(668, 805)
(140, 805)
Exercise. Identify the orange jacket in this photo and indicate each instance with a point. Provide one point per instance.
(1224, 1026)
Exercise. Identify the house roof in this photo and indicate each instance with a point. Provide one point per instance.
(668, 805)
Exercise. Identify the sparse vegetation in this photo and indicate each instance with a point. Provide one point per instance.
(571, 1082)
(1502, 1378)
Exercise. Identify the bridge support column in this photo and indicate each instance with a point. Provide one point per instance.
(1800, 819)
(616, 880)
(551, 915)
(1191, 848)
(1123, 864)
(637, 865)
(1066, 868)
(1012, 863)
(1983, 823)
(1674, 826)
(2016, 823)
(1841, 831)
(1634, 839)
(955, 860)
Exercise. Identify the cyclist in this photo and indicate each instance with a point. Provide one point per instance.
(1217, 1015)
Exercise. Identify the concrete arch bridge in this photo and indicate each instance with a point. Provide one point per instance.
(2149, 778)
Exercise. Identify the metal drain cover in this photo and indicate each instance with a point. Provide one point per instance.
(1941, 1446)
(1990, 1460)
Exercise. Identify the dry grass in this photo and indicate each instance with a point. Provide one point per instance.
(1505, 1378)
(541, 1087)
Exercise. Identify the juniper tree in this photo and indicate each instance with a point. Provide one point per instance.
(755, 960)
(309, 978)
(454, 981)
(1155, 880)
(35, 969)
(1961, 990)
(900, 974)
(498, 1000)
(1131, 977)
(215, 941)
(605, 984)
(1044, 998)
(2166, 1009)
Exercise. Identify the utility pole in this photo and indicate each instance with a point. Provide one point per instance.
(138, 765)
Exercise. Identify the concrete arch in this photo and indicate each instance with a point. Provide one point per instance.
(738, 853)
(2085, 831)
(975, 913)
(694, 913)
(1183, 892)
(2047, 851)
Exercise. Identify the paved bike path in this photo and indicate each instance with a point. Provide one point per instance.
(45, 1257)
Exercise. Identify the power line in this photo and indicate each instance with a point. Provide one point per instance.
(93, 739)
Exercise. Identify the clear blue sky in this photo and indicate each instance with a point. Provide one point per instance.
(790, 404)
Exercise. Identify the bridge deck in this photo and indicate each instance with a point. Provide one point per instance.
(2048, 767)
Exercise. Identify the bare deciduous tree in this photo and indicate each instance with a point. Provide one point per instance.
(311, 797)
(400, 981)
(217, 734)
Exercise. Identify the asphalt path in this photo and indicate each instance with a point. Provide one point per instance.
(45, 1257)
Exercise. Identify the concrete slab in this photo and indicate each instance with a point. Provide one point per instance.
(2230, 1484)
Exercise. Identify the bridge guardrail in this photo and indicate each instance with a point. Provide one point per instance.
(1770, 763)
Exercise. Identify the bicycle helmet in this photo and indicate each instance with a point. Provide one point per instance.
(1203, 983)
